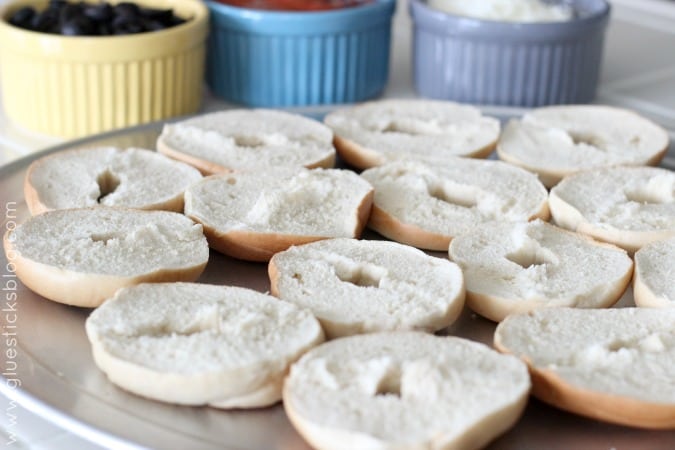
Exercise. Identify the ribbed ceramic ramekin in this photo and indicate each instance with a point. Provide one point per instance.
(274, 58)
(506, 63)
(77, 85)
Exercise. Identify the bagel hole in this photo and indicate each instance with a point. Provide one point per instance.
(394, 127)
(167, 330)
(249, 141)
(617, 345)
(390, 384)
(410, 126)
(588, 139)
(361, 279)
(105, 238)
(363, 276)
(651, 343)
(527, 259)
(107, 182)
(453, 197)
(649, 196)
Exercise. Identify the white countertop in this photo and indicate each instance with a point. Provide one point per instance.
(638, 73)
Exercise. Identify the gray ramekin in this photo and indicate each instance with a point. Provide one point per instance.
(509, 63)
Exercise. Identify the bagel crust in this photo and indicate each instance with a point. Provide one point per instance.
(427, 202)
(613, 365)
(81, 257)
(107, 176)
(626, 206)
(653, 283)
(373, 133)
(356, 287)
(580, 137)
(518, 267)
(254, 215)
(200, 344)
(393, 390)
(248, 139)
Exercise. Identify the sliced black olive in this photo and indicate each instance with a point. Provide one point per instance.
(162, 15)
(45, 21)
(153, 25)
(56, 4)
(23, 17)
(78, 26)
(69, 12)
(104, 29)
(101, 19)
(127, 25)
(175, 20)
(127, 9)
(101, 12)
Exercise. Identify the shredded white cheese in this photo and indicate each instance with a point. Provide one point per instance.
(506, 10)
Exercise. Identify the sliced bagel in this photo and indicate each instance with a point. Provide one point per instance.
(82, 256)
(654, 280)
(254, 215)
(199, 344)
(517, 267)
(372, 133)
(355, 287)
(427, 202)
(557, 141)
(626, 206)
(616, 365)
(248, 139)
(404, 390)
(108, 176)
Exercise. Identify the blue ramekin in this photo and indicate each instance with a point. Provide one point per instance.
(508, 63)
(274, 58)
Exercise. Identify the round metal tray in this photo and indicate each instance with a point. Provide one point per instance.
(58, 379)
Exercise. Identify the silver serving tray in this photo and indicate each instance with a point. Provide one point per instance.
(59, 381)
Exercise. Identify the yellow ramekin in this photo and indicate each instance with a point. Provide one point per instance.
(72, 86)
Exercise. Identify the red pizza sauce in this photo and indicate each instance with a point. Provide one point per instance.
(295, 5)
